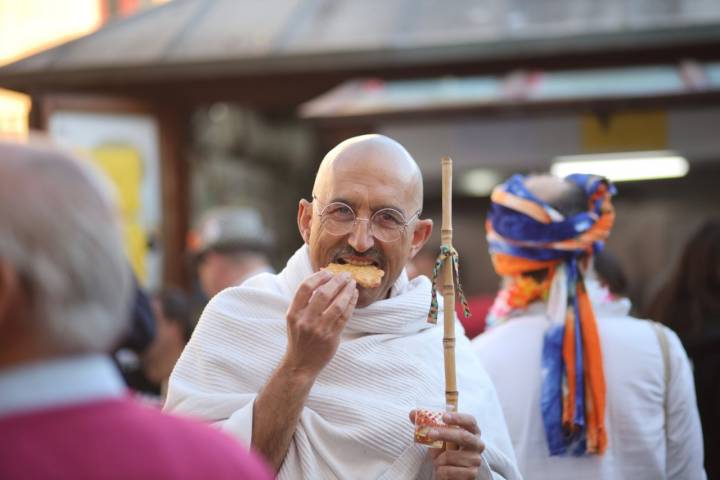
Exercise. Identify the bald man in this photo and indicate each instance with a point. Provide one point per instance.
(321, 372)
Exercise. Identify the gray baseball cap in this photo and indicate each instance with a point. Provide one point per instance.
(229, 228)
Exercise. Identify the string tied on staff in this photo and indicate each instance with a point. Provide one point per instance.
(447, 253)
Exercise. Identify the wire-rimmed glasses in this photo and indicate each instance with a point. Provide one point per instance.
(386, 225)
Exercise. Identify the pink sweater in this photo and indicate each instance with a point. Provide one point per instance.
(118, 439)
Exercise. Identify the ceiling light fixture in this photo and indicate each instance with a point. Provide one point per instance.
(479, 182)
(624, 167)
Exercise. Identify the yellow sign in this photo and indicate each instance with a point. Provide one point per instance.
(624, 131)
(123, 165)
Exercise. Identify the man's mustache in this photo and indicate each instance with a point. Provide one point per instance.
(372, 254)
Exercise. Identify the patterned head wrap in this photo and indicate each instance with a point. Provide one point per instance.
(525, 235)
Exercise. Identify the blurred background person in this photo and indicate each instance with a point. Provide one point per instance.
(230, 245)
(65, 292)
(583, 385)
(143, 330)
(611, 274)
(175, 323)
(690, 304)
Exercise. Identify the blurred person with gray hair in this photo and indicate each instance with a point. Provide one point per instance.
(65, 292)
(230, 245)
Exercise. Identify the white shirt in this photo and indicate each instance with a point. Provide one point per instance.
(58, 382)
(633, 362)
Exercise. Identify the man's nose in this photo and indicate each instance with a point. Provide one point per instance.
(361, 238)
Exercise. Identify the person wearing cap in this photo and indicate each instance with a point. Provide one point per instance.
(230, 245)
(588, 391)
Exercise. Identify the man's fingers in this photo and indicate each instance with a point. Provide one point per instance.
(460, 437)
(350, 306)
(306, 289)
(462, 420)
(354, 295)
(435, 453)
(341, 302)
(325, 294)
(456, 473)
(458, 458)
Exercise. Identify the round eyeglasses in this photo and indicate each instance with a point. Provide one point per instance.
(386, 225)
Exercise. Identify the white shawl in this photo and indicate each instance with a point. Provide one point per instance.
(355, 421)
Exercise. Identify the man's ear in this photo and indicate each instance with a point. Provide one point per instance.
(421, 234)
(304, 219)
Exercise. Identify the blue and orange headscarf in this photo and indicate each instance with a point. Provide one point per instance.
(524, 235)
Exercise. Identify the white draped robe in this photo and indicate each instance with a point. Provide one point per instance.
(354, 423)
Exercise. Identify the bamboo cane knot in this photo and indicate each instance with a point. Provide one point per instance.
(446, 252)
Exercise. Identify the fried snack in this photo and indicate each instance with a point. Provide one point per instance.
(367, 276)
(425, 419)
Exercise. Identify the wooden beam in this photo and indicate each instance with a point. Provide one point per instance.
(175, 187)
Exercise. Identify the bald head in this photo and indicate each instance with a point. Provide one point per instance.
(376, 179)
(565, 197)
(373, 154)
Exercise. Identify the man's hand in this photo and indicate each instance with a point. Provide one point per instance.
(322, 306)
(463, 431)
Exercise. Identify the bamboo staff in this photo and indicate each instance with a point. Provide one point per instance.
(451, 393)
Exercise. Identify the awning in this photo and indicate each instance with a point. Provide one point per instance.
(375, 97)
(197, 39)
